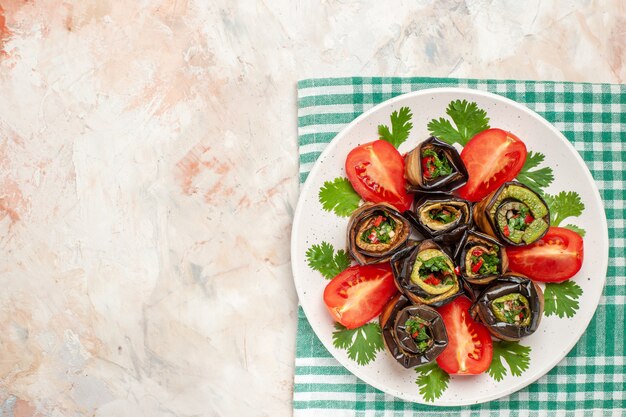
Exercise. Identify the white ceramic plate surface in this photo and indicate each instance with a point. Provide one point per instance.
(555, 336)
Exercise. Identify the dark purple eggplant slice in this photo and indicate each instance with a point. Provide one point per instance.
(481, 258)
(414, 281)
(513, 214)
(510, 307)
(448, 174)
(396, 322)
(438, 214)
(380, 221)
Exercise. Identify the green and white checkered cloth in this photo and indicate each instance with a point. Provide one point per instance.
(590, 380)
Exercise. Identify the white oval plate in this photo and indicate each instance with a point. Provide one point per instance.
(555, 336)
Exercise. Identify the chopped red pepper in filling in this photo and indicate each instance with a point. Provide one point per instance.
(476, 267)
(506, 231)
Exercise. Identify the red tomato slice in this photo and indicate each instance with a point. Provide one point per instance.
(492, 158)
(376, 172)
(359, 293)
(556, 257)
(470, 348)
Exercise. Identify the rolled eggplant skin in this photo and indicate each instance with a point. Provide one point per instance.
(402, 267)
(466, 243)
(424, 201)
(487, 224)
(448, 183)
(388, 323)
(507, 284)
(362, 257)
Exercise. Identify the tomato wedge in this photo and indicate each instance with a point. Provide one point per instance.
(376, 172)
(470, 348)
(359, 293)
(556, 257)
(492, 157)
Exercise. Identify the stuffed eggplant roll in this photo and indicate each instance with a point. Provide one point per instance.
(510, 307)
(434, 166)
(413, 334)
(425, 274)
(514, 214)
(375, 232)
(437, 214)
(481, 258)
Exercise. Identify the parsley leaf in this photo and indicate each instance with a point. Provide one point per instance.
(432, 381)
(323, 258)
(400, 127)
(468, 119)
(563, 205)
(361, 343)
(535, 179)
(561, 298)
(339, 196)
(515, 355)
(576, 229)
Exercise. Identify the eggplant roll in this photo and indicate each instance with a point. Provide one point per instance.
(434, 166)
(437, 214)
(481, 258)
(413, 334)
(375, 232)
(510, 307)
(425, 274)
(514, 214)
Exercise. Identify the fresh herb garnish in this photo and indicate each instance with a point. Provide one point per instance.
(435, 165)
(561, 298)
(434, 264)
(400, 127)
(339, 196)
(576, 229)
(381, 233)
(361, 343)
(489, 265)
(518, 221)
(323, 258)
(432, 381)
(535, 179)
(418, 329)
(515, 355)
(442, 215)
(468, 119)
(563, 205)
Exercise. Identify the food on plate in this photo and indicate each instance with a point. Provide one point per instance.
(434, 166)
(435, 240)
(492, 157)
(424, 273)
(470, 348)
(359, 293)
(413, 334)
(514, 214)
(436, 214)
(510, 307)
(375, 232)
(376, 172)
(556, 257)
(481, 258)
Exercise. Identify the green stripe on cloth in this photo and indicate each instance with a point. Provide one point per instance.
(590, 380)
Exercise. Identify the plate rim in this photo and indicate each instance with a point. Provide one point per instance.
(305, 190)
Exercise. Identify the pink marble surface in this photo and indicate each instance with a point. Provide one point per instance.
(149, 174)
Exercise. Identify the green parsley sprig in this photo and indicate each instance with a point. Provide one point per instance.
(432, 381)
(561, 298)
(323, 259)
(536, 179)
(468, 118)
(361, 343)
(563, 205)
(400, 127)
(339, 196)
(516, 356)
